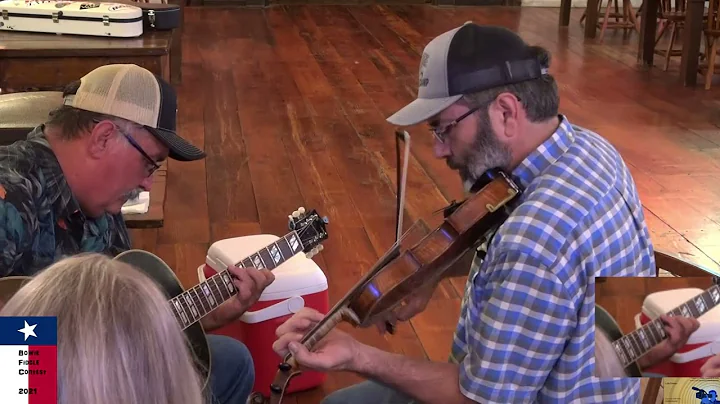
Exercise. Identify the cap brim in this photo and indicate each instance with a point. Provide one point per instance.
(421, 110)
(180, 149)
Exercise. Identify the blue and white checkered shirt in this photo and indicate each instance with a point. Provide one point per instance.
(526, 328)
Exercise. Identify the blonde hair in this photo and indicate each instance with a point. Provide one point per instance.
(118, 341)
(607, 362)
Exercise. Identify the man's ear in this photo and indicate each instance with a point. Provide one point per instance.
(508, 111)
(101, 137)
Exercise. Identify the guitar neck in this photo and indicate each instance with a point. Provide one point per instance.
(196, 302)
(634, 345)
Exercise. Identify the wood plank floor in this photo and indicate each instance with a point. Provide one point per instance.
(289, 103)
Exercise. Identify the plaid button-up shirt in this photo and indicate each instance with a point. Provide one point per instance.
(526, 328)
(40, 219)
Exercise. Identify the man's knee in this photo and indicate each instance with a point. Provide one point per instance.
(231, 367)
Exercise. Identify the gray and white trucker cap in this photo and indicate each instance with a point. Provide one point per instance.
(465, 60)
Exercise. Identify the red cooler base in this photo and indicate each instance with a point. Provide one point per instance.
(259, 337)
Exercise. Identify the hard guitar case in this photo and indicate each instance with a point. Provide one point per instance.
(68, 17)
(160, 17)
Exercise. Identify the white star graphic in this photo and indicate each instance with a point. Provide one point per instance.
(28, 330)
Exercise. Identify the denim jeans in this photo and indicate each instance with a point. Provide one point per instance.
(367, 392)
(232, 373)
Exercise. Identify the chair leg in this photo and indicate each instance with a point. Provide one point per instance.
(605, 20)
(711, 62)
(673, 35)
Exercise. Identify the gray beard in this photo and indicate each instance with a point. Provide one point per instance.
(486, 153)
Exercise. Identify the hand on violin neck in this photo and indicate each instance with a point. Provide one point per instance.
(336, 351)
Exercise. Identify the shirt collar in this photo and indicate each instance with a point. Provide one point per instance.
(58, 191)
(546, 154)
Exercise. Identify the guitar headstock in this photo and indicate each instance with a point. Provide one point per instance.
(310, 227)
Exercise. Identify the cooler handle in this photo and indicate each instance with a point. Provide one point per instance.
(280, 309)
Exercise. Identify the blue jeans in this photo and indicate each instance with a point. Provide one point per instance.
(367, 392)
(232, 372)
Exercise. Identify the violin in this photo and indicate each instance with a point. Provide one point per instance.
(420, 256)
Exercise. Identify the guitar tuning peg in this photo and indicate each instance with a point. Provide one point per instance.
(320, 247)
(291, 222)
(296, 213)
(301, 210)
(309, 254)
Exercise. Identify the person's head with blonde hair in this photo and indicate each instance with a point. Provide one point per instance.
(118, 341)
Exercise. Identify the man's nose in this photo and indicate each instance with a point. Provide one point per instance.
(441, 150)
(146, 184)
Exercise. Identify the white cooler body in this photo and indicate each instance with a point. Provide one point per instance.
(702, 344)
(66, 17)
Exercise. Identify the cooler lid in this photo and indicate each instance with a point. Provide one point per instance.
(297, 276)
(662, 302)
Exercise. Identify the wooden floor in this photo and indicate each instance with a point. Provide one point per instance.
(290, 102)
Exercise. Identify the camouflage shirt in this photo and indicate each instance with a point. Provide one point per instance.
(40, 219)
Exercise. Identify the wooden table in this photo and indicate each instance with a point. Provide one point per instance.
(33, 61)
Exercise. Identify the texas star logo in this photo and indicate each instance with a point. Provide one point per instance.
(424, 81)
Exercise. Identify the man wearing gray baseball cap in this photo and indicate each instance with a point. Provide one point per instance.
(526, 327)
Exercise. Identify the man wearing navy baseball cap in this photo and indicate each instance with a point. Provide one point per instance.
(526, 327)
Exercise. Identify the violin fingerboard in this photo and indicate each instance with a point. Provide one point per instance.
(323, 330)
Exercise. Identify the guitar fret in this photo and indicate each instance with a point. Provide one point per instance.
(277, 256)
(257, 261)
(191, 306)
(181, 310)
(247, 263)
(220, 298)
(644, 339)
(227, 281)
(200, 299)
(294, 243)
(621, 350)
(209, 295)
(285, 249)
(267, 259)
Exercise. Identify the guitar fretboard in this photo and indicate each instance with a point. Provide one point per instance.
(196, 302)
(634, 345)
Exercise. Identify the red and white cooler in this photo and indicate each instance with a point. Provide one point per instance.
(299, 282)
(702, 344)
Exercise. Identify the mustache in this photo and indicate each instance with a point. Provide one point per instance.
(132, 194)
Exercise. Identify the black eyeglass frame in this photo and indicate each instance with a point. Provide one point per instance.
(153, 165)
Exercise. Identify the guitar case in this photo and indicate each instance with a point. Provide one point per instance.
(159, 17)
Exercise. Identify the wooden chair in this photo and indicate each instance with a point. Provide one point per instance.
(712, 45)
(671, 14)
(623, 20)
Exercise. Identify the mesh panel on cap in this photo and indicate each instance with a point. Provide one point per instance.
(125, 91)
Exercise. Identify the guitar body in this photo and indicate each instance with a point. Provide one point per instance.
(165, 278)
(604, 322)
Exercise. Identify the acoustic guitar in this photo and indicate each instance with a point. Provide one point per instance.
(189, 306)
(632, 346)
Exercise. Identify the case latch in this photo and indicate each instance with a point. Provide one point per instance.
(56, 17)
(106, 20)
(5, 14)
(151, 18)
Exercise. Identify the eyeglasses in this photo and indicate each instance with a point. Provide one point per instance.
(441, 133)
(152, 165)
